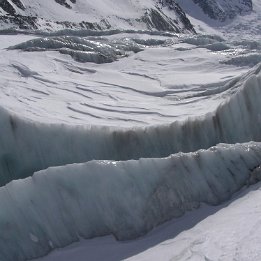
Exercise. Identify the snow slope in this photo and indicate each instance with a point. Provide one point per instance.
(150, 77)
(216, 12)
(100, 14)
(233, 233)
(247, 26)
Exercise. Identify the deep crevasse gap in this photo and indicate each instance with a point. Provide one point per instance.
(57, 206)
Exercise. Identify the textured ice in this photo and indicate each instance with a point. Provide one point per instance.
(59, 205)
(92, 49)
(210, 42)
(244, 60)
(150, 42)
(84, 32)
(202, 40)
(99, 50)
(217, 46)
(249, 44)
(30, 146)
(133, 91)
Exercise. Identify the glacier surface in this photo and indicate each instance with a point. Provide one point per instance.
(120, 125)
(25, 146)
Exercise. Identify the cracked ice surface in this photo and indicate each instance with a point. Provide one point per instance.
(169, 79)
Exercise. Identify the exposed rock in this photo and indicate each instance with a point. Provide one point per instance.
(172, 5)
(222, 10)
(19, 4)
(64, 3)
(7, 7)
(165, 15)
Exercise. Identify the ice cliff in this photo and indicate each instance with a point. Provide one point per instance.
(59, 205)
(28, 146)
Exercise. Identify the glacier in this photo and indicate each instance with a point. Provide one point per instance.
(117, 117)
(25, 146)
(98, 50)
(125, 199)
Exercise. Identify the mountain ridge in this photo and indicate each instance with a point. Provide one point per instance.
(78, 14)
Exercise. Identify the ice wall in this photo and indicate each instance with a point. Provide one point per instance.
(58, 205)
(26, 147)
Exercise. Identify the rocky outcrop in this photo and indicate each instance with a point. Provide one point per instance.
(64, 3)
(173, 6)
(161, 15)
(224, 9)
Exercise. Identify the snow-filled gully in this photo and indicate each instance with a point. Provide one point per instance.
(139, 187)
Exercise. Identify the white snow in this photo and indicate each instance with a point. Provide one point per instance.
(88, 10)
(161, 84)
(232, 233)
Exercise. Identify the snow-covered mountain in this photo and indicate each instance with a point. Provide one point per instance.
(57, 14)
(162, 15)
(218, 10)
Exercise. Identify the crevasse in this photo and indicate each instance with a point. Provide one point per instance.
(28, 146)
(62, 204)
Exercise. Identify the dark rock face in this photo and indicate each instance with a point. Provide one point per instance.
(19, 4)
(22, 22)
(7, 6)
(32, 22)
(64, 3)
(172, 5)
(224, 9)
(154, 18)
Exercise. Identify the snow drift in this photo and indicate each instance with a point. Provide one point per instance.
(59, 205)
(28, 146)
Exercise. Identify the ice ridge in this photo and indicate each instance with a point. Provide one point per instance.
(27, 147)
